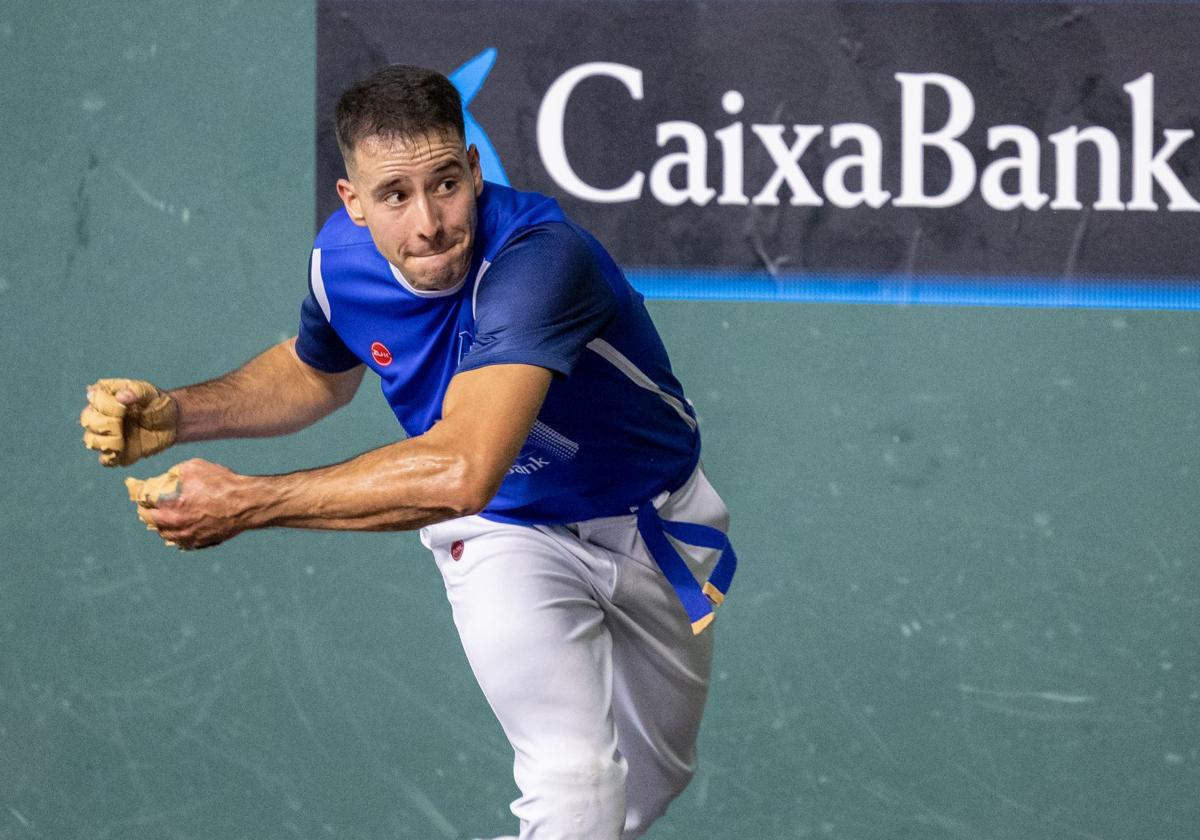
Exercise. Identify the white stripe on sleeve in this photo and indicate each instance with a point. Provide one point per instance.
(318, 282)
(484, 266)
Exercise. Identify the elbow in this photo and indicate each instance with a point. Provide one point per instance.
(468, 500)
(470, 507)
(469, 489)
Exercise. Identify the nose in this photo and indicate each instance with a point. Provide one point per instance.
(428, 219)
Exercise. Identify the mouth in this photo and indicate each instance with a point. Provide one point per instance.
(434, 270)
(431, 253)
(450, 246)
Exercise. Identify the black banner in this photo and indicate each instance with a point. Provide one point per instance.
(890, 151)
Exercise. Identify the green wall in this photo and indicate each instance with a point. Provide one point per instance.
(969, 592)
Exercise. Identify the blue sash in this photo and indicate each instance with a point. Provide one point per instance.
(697, 600)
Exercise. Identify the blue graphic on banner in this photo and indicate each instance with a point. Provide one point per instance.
(468, 79)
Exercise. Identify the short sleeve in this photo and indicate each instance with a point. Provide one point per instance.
(317, 344)
(540, 302)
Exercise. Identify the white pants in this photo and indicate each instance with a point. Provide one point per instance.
(588, 660)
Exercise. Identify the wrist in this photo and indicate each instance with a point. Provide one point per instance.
(256, 500)
(185, 419)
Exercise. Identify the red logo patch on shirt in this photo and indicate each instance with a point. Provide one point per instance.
(456, 549)
(381, 354)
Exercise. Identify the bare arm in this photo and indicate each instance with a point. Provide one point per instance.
(275, 393)
(452, 470)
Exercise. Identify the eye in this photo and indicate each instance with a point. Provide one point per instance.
(394, 199)
(447, 185)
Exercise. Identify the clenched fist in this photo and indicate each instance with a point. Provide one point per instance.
(128, 419)
(195, 504)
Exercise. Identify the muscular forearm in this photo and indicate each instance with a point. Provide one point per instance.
(272, 394)
(402, 486)
(452, 470)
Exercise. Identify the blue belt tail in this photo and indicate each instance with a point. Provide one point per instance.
(697, 600)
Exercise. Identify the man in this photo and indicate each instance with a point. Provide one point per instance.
(550, 452)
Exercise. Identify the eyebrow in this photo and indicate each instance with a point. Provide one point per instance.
(392, 184)
(388, 186)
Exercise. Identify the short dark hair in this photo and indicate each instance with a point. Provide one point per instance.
(397, 102)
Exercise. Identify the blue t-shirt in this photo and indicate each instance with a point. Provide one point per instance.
(615, 428)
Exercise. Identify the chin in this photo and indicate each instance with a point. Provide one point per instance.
(439, 284)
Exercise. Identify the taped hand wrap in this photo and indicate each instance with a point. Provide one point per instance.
(124, 432)
(149, 493)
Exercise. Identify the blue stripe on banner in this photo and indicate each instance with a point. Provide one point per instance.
(929, 290)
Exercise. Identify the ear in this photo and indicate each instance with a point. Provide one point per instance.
(349, 197)
(476, 170)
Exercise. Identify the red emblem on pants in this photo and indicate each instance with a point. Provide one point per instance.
(381, 354)
(456, 549)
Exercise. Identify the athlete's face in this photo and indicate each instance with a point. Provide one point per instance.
(417, 197)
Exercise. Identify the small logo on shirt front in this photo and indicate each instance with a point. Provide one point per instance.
(456, 549)
(381, 354)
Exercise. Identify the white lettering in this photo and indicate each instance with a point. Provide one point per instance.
(1147, 166)
(693, 159)
(1066, 145)
(531, 465)
(1011, 181)
(870, 164)
(552, 145)
(787, 164)
(1026, 163)
(731, 139)
(914, 139)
